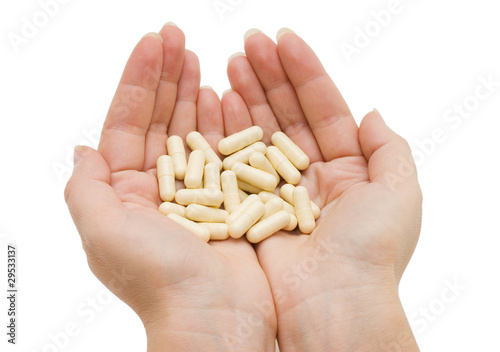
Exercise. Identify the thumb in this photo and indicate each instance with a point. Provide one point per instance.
(390, 161)
(88, 192)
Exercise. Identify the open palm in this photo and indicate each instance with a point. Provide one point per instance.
(363, 178)
(166, 274)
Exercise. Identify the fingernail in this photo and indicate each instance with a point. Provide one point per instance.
(235, 55)
(251, 32)
(170, 24)
(227, 91)
(283, 31)
(77, 154)
(154, 35)
(206, 87)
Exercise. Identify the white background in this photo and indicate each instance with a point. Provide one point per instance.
(431, 56)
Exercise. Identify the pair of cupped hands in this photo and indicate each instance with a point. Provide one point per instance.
(333, 290)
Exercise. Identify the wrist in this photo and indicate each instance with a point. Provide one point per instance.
(359, 312)
(197, 326)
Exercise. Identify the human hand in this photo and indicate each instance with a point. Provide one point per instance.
(189, 294)
(335, 289)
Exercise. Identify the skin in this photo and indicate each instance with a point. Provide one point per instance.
(189, 294)
(333, 290)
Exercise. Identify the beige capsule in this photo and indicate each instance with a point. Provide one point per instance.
(195, 228)
(175, 148)
(194, 171)
(242, 207)
(218, 231)
(211, 176)
(166, 177)
(284, 167)
(292, 224)
(303, 210)
(286, 192)
(291, 150)
(172, 208)
(203, 196)
(240, 140)
(243, 155)
(259, 161)
(197, 212)
(254, 177)
(242, 195)
(267, 227)
(248, 187)
(267, 196)
(246, 219)
(230, 190)
(272, 207)
(196, 141)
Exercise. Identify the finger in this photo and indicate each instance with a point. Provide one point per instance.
(173, 60)
(324, 107)
(209, 116)
(89, 194)
(262, 53)
(184, 116)
(390, 161)
(123, 135)
(244, 81)
(235, 113)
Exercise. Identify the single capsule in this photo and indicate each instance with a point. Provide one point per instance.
(259, 161)
(284, 167)
(218, 231)
(194, 170)
(286, 192)
(230, 190)
(246, 219)
(175, 148)
(197, 212)
(196, 141)
(203, 196)
(243, 155)
(240, 140)
(166, 177)
(291, 150)
(267, 227)
(242, 207)
(254, 177)
(172, 208)
(195, 228)
(303, 210)
(212, 176)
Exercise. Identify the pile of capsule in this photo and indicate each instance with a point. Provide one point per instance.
(252, 172)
